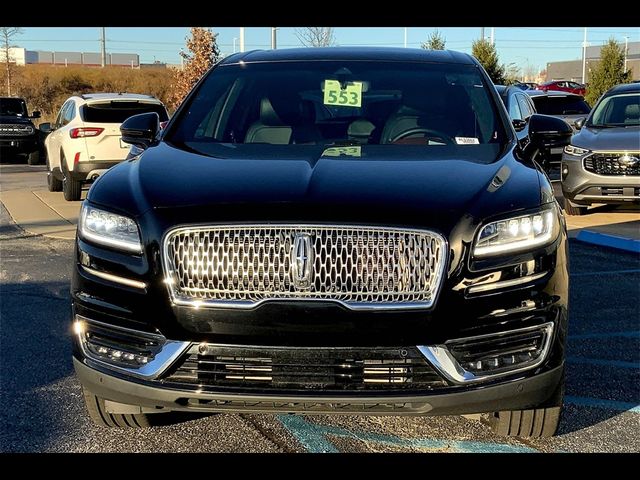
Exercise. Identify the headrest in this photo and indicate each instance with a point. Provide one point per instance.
(632, 111)
(268, 115)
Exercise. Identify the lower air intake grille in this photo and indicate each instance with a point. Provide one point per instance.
(305, 369)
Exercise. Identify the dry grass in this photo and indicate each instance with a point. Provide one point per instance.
(46, 87)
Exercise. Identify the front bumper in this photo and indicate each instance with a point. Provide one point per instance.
(19, 145)
(584, 188)
(513, 395)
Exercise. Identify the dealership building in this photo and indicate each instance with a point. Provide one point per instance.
(572, 69)
(22, 56)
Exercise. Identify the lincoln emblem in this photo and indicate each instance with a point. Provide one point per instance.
(302, 261)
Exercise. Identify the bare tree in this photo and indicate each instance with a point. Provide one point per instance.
(6, 35)
(316, 36)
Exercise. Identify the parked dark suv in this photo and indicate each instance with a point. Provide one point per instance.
(344, 231)
(19, 137)
(602, 164)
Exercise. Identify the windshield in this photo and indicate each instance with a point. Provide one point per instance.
(340, 103)
(617, 111)
(118, 112)
(13, 107)
(553, 105)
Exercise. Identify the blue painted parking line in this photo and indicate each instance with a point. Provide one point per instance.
(314, 439)
(603, 362)
(586, 336)
(611, 241)
(632, 407)
(606, 272)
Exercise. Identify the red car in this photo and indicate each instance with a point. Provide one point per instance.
(563, 86)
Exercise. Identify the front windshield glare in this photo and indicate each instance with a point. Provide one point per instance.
(341, 103)
(617, 111)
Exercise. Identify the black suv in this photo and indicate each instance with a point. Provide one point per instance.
(18, 135)
(345, 231)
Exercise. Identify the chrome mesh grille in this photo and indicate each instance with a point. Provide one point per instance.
(361, 267)
(612, 163)
(15, 129)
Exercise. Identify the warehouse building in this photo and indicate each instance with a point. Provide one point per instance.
(572, 69)
(22, 56)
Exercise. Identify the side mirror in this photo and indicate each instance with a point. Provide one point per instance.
(579, 123)
(36, 114)
(519, 124)
(547, 132)
(140, 130)
(46, 127)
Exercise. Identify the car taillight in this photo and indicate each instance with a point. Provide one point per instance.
(163, 124)
(85, 132)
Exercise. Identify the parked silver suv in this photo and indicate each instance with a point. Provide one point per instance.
(602, 164)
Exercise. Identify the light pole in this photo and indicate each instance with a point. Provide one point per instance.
(626, 51)
(405, 36)
(242, 39)
(274, 43)
(584, 57)
(234, 44)
(492, 35)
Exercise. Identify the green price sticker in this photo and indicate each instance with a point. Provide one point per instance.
(351, 151)
(350, 96)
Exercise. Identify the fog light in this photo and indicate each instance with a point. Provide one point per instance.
(474, 359)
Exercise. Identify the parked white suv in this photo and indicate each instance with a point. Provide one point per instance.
(85, 138)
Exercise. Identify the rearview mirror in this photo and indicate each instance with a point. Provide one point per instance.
(140, 130)
(579, 123)
(547, 132)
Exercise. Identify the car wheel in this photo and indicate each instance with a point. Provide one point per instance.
(98, 413)
(573, 210)
(72, 189)
(34, 158)
(53, 183)
(534, 423)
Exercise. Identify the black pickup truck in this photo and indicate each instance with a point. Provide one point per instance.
(18, 135)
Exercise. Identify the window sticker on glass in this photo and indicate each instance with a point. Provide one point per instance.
(350, 96)
(351, 151)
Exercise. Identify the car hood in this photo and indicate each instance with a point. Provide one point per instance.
(619, 138)
(14, 119)
(384, 184)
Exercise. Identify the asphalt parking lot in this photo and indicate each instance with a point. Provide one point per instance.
(41, 406)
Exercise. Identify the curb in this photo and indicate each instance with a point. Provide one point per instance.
(610, 241)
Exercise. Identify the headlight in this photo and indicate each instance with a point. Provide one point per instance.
(109, 229)
(576, 151)
(516, 234)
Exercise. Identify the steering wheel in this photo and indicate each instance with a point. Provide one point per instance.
(428, 132)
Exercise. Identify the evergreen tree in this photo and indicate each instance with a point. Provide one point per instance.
(609, 71)
(435, 41)
(204, 54)
(487, 55)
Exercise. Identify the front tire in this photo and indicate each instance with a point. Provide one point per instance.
(573, 210)
(98, 413)
(53, 184)
(539, 422)
(34, 158)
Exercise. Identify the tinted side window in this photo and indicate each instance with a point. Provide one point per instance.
(514, 108)
(525, 109)
(69, 112)
(61, 113)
